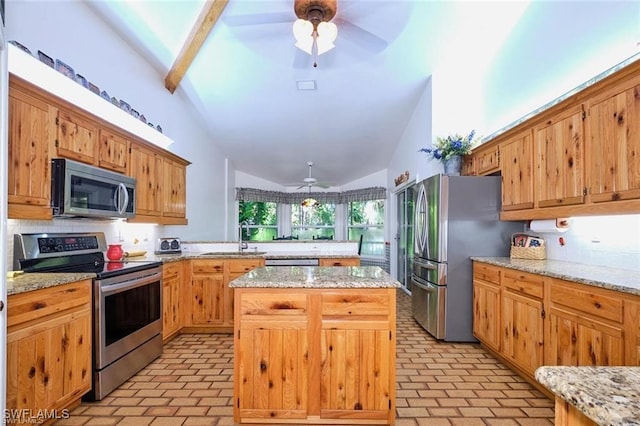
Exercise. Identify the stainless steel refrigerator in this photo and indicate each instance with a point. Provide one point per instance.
(456, 217)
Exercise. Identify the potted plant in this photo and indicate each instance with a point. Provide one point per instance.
(450, 150)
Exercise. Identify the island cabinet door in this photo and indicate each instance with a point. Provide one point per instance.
(357, 372)
(271, 351)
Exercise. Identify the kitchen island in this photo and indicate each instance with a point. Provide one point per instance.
(594, 395)
(315, 345)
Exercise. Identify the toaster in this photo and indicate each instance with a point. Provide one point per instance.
(168, 245)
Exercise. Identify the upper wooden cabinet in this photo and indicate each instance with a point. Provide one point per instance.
(614, 143)
(42, 127)
(146, 167)
(559, 151)
(517, 172)
(487, 159)
(113, 151)
(76, 137)
(468, 165)
(175, 191)
(30, 133)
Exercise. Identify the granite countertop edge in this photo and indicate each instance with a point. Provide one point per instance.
(606, 395)
(316, 277)
(38, 281)
(622, 280)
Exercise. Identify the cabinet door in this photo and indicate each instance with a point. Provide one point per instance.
(113, 151)
(339, 262)
(468, 165)
(272, 352)
(146, 167)
(487, 160)
(517, 172)
(175, 196)
(585, 326)
(77, 137)
(356, 349)
(29, 173)
(523, 331)
(486, 313)
(579, 341)
(559, 153)
(171, 303)
(614, 144)
(49, 347)
(207, 292)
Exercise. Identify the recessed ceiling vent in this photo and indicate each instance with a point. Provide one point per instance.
(306, 85)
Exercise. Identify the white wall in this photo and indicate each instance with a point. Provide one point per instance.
(73, 33)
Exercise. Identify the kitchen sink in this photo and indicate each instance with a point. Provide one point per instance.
(233, 253)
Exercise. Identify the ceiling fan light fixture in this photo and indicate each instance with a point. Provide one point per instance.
(309, 202)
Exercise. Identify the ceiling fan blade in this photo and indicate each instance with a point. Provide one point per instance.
(301, 186)
(257, 19)
(360, 36)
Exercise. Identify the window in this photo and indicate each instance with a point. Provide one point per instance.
(262, 220)
(313, 222)
(366, 219)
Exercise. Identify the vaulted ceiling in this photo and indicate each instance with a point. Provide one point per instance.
(244, 74)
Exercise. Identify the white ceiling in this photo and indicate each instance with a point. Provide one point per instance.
(243, 82)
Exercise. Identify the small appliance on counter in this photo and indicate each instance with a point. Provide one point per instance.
(168, 245)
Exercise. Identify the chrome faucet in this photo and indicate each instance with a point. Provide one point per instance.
(243, 245)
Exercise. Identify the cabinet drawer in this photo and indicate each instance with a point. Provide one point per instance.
(236, 266)
(171, 270)
(273, 304)
(486, 272)
(522, 282)
(34, 305)
(587, 300)
(207, 266)
(355, 303)
(487, 160)
(339, 262)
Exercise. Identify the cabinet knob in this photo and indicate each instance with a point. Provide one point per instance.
(1, 305)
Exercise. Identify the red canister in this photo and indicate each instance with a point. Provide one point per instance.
(114, 252)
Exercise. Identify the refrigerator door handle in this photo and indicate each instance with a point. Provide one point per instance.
(425, 265)
(425, 285)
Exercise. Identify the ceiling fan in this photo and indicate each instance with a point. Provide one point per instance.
(316, 13)
(311, 181)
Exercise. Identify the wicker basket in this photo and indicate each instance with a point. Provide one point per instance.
(534, 253)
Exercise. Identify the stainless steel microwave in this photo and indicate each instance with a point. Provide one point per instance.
(80, 190)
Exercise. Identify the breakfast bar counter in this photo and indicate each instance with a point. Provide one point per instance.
(315, 345)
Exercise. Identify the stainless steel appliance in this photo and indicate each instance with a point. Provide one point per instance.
(455, 217)
(127, 301)
(81, 190)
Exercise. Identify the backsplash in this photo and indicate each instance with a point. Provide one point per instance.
(132, 236)
(599, 240)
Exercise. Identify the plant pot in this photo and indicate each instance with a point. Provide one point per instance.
(453, 165)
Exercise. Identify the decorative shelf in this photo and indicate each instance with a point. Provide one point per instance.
(29, 68)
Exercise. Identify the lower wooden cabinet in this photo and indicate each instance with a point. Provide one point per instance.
(308, 354)
(172, 288)
(522, 319)
(210, 300)
(49, 347)
(486, 304)
(549, 321)
(585, 327)
(343, 261)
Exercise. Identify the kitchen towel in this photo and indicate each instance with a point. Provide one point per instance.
(549, 225)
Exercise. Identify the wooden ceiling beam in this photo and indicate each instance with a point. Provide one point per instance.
(211, 11)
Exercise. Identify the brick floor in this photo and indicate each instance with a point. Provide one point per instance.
(438, 384)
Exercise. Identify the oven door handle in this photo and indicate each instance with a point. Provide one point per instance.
(108, 290)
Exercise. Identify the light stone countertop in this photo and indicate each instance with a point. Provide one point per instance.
(623, 280)
(36, 281)
(607, 395)
(316, 277)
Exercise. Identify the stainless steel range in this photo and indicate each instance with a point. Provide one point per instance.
(127, 301)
